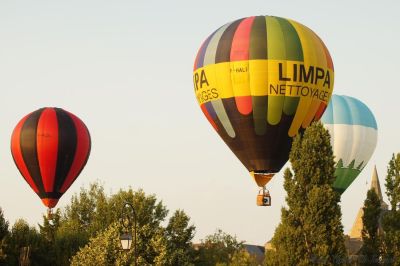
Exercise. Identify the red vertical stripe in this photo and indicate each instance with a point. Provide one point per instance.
(47, 147)
(17, 154)
(329, 61)
(208, 116)
(244, 104)
(81, 153)
(241, 40)
(240, 51)
(320, 111)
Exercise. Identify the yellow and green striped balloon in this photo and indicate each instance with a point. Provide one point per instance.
(259, 81)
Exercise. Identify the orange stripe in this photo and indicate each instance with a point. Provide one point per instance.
(327, 54)
(320, 112)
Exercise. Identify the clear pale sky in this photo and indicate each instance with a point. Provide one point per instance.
(125, 68)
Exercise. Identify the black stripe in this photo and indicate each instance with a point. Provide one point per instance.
(266, 153)
(67, 141)
(223, 53)
(28, 139)
(258, 39)
(50, 195)
(87, 156)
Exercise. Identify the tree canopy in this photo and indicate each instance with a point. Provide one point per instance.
(371, 249)
(391, 218)
(310, 231)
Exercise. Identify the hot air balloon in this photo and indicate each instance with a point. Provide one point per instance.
(259, 81)
(50, 147)
(354, 134)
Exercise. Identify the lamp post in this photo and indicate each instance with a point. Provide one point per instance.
(128, 213)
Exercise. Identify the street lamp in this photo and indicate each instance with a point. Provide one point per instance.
(127, 214)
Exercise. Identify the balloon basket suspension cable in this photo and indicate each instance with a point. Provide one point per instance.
(263, 197)
(49, 213)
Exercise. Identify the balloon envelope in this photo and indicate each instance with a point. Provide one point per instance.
(354, 134)
(50, 147)
(259, 80)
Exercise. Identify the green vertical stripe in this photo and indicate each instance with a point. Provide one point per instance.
(258, 39)
(276, 50)
(260, 104)
(276, 41)
(275, 105)
(294, 50)
(290, 105)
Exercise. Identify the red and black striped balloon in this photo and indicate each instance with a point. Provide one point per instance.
(50, 147)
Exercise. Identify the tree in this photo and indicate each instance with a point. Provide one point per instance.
(3, 235)
(89, 211)
(179, 235)
(391, 218)
(310, 231)
(393, 182)
(156, 245)
(150, 214)
(218, 248)
(101, 250)
(243, 258)
(26, 239)
(71, 227)
(49, 228)
(370, 251)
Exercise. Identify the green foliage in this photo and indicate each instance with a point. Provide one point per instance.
(67, 242)
(243, 258)
(24, 236)
(104, 249)
(89, 211)
(179, 234)
(156, 245)
(3, 225)
(370, 251)
(86, 232)
(3, 235)
(391, 218)
(393, 182)
(71, 228)
(310, 231)
(391, 237)
(50, 227)
(218, 248)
